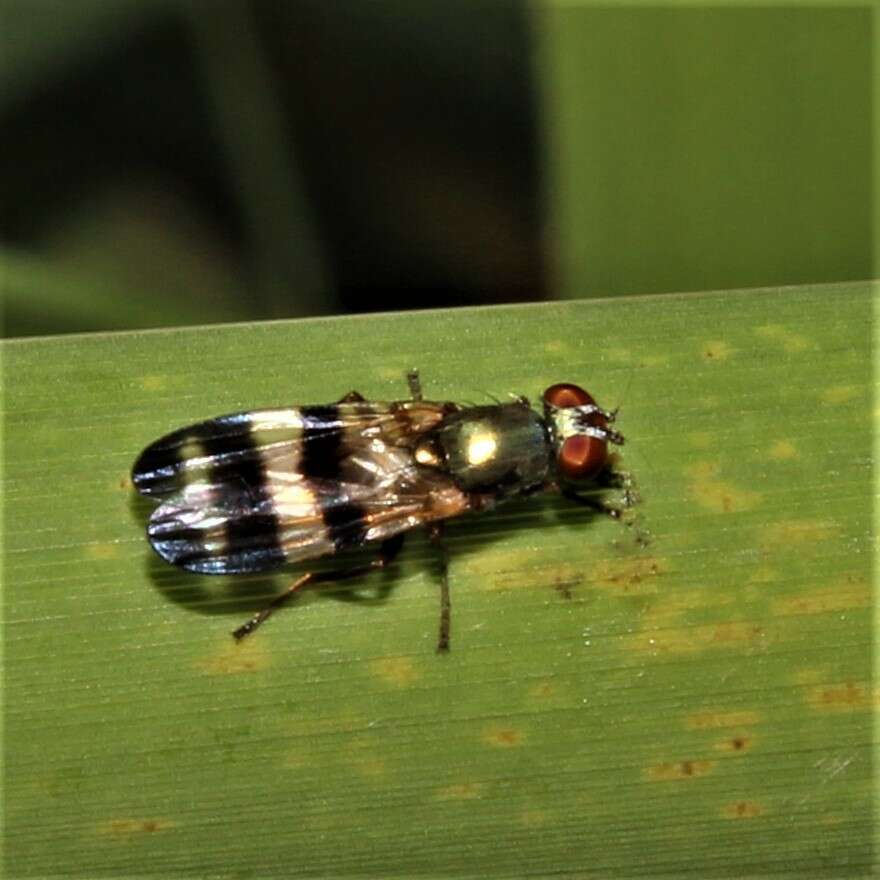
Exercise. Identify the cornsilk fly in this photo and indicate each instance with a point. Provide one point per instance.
(252, 491)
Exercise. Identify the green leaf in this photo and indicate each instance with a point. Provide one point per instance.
(699, 701)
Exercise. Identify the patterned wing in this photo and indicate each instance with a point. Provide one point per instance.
(251, 491)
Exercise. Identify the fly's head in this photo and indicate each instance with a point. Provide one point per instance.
(580, 432)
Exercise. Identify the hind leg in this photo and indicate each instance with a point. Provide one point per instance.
(388, 550)
(435, 533)
(352, 397)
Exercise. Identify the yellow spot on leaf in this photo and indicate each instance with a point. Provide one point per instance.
(742, 810)
(763, 574)
(534, 818)
(496, 559)
(737, 744)
(515, 569)
(618, 354)
(654, 360)
(679, 770)
(841, 598)
(102, 550)
(845, 697)
(812, 675)
(692, 639)
(126, 828)
(719, 496)
(783, 450)
(399, 671)
(839, 394)
(542, 690)
(315, 727)
(555, 346)
(235, 658)
(804, 533)
(668, 610)
(790, 341)
(628, 576)
(153, 383)
(503, 737)
(717, 350)
(371, 768)
(701, 439)
(462, 791)
(390, 374)
(717, 720)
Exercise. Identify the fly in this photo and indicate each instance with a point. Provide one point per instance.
(252, 491)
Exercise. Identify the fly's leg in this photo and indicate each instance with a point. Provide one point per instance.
(436, 535)
(610, 478)
(272, 607)
(352, 397)
(415, 384)
(387, 551)
(594, 504)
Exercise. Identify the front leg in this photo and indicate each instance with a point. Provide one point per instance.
(415, 384)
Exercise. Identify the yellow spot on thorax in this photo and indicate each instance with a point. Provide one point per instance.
(481, 447)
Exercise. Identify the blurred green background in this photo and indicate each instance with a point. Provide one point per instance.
(173, 161)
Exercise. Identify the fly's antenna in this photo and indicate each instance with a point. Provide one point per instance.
(623, 397)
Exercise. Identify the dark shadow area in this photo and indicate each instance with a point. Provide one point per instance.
(242, 595)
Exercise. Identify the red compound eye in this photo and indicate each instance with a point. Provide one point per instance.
(582, 456)
(566, 394)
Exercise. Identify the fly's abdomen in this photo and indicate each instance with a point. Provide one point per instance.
(502, 450)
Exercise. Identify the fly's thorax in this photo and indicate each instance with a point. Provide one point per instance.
(493, 449)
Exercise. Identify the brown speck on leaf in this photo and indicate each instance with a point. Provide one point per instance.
(679, 770)
(126, 828)
(741, 742)
(503, 737)
(742, 810)
(565, 587)
(840, 697)
(711, 720)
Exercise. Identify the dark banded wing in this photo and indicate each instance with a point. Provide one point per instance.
(251, 491)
